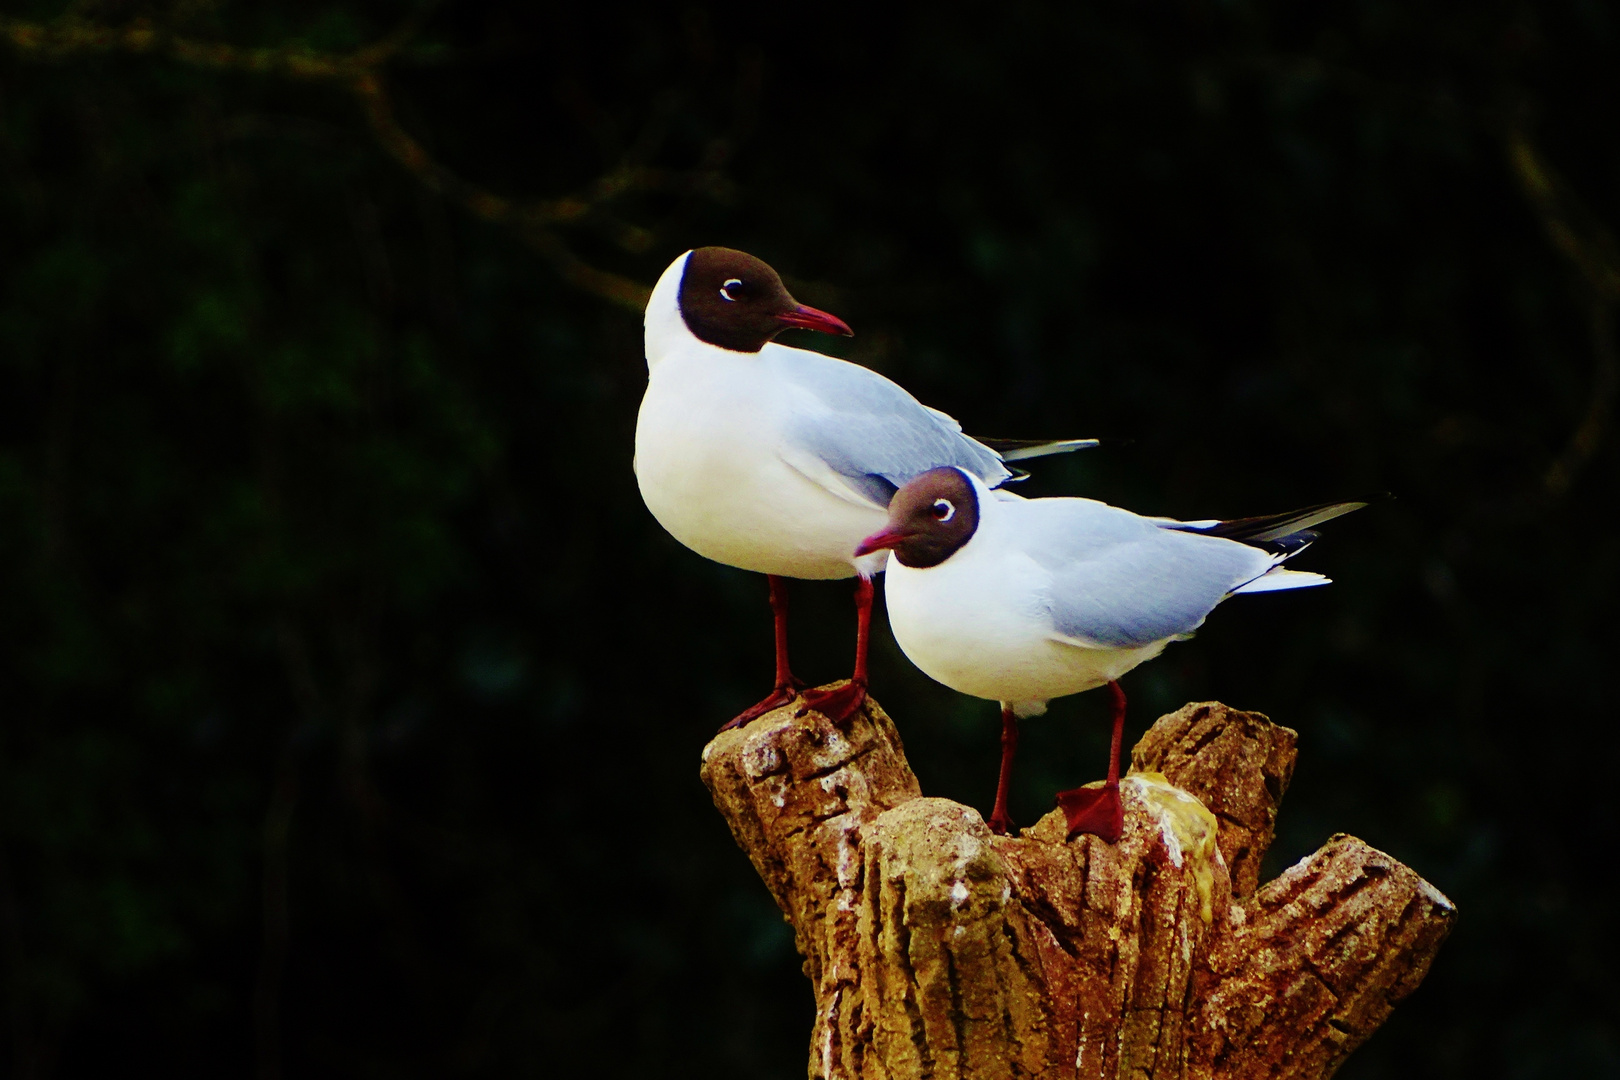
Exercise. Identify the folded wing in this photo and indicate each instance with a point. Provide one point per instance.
(1118, 580)
(863, 436)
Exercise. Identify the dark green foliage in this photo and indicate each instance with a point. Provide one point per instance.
(330, 613)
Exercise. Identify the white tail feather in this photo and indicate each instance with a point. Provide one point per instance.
(1273, 580)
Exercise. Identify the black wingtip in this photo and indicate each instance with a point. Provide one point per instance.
(1270, 530)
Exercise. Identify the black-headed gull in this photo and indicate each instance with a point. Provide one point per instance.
(779, 460)
(1024, 600)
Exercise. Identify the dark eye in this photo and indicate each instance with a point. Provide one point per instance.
(732, 289)
(943, 510)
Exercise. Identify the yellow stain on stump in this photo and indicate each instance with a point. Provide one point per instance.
(1188, 828)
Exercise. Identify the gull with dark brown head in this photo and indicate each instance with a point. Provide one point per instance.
(1025, 600)
(776, 459)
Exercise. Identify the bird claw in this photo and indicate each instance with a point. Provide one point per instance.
(781, 696)
(1094, 809)
(838, 704)
(1001, 824)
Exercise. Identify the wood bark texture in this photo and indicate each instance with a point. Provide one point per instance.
(940, 951)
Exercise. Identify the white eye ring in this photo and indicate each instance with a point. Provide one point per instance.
(725, 290)
(943, 510)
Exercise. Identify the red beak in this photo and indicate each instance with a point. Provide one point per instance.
(880, 540)
(809, 318)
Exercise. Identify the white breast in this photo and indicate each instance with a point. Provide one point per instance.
(978, 623)
(709, 462)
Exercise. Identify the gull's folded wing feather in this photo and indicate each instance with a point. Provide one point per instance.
(1269, 527)
(862, 436)
(1122, 581)
(1023, 449)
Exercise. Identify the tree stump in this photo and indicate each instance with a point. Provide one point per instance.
(938, 950)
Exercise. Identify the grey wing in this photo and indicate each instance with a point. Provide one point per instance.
(868, 430)
(1121, 581)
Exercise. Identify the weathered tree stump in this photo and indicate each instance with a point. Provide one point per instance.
(939, 950)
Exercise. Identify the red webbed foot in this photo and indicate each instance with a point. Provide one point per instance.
(782, 695)
(1094, 809)
(1002, 824)
(837, 704)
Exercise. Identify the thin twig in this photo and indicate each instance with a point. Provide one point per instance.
(1573, 229)
(1588, 436)
(359, 72)
(69, 36)
(1580, 237)
(531, 220)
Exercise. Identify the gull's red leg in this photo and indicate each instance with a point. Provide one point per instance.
(840, 704)
(779, 613)
(1001, 822)
(1098, 809)
(786, 687)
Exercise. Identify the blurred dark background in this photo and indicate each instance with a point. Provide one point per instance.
(351, 700)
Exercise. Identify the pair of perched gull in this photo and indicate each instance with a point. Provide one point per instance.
(795, 464)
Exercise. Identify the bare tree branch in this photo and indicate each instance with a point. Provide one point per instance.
(359, 73)
(68, 37)
(1589, 433)
(1573, 229)
(1580, 237)
(531, 220)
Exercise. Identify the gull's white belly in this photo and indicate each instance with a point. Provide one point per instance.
(978, 627)
(709, 469)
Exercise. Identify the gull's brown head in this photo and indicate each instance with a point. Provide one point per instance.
(731, 299)
(929, 519)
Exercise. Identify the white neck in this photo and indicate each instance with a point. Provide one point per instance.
(665, 329)
(991, 508)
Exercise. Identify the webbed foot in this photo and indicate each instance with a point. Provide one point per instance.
(782, 695)
(1094, 808)
(837, 704)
